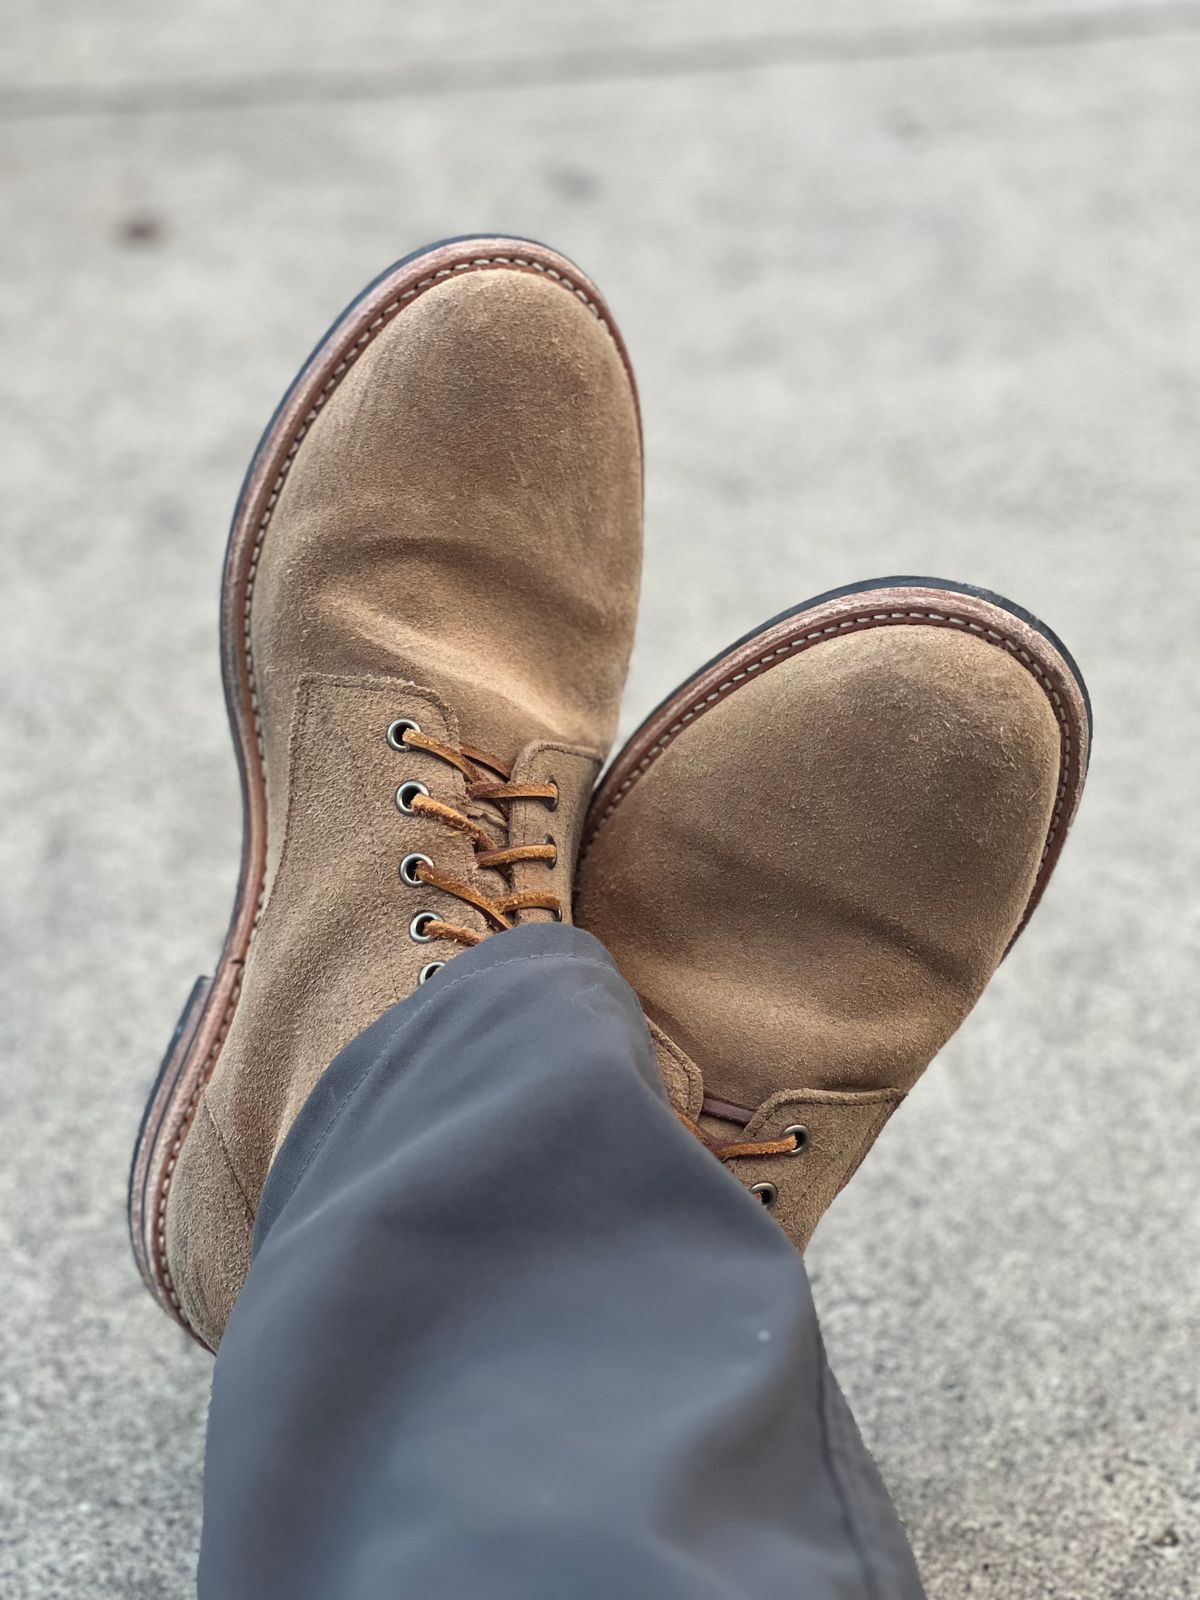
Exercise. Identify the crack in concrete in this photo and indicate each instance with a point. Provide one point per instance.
(284, 90)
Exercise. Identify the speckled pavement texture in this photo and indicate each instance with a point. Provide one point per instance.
(910, 288)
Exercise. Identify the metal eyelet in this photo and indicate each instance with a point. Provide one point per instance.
(407, 793)
(408, 869)
(428, 970)
(416, 928)
(801, 1135)
(766, 1192)
(552, 805)
(397, 730)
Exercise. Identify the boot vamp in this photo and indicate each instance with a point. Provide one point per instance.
(464, 513)
(811, 885)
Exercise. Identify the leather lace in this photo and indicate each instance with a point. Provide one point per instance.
(488, 780)
(740, 1149)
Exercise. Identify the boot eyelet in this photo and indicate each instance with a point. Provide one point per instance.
(407, 793)
(801, 1135)
(416, 928)
(408, 869)
(428, 970)
(766, 1192)
(552, 805)
(397, 730)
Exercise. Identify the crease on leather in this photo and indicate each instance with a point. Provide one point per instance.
(218, 1132)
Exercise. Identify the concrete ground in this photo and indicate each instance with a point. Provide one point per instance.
(911, 287)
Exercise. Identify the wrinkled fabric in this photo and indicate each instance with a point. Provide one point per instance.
(510, 1331)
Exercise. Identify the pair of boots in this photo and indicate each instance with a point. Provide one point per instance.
(807, 862)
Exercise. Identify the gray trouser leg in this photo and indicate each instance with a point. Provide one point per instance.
(511, 1333)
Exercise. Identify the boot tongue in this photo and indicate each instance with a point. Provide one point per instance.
(494, 717)
(491, 880)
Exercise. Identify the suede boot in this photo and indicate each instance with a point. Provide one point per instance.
(811, 858)
(429, 602)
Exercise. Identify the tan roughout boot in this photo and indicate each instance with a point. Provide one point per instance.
(428, 606)
(811, 858)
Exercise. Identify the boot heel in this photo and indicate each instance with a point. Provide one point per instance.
(185, 1028)
(142, 1165)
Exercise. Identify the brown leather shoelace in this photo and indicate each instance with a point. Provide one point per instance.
(488, 780)
(739, 1149)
